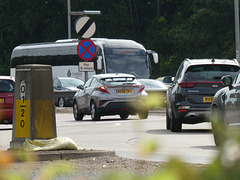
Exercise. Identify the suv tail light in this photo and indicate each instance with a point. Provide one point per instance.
(183, 108)
(192, 84)
(103, 89)
(187, 84)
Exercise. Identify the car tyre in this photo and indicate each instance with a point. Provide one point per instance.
(218, 126)
(124, 116)
(94, 115)
(176, 124)
(168, 120)
(77, 116)
(143, 114)
(61, 102)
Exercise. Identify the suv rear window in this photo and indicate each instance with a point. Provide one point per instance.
(210, 72)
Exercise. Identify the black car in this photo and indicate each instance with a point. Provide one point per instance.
(190, 96)
(64, 90)
(225, 108)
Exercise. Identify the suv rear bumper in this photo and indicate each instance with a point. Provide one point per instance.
(194, 116)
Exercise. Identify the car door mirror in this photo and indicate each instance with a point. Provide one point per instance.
(168, 79)
(57, 87)
(227, 80)
(80, 87)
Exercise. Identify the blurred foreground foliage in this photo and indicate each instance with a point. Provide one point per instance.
(226, 166)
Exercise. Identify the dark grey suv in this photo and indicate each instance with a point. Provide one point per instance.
(190, 96)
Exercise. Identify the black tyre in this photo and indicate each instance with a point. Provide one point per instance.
(61, 102)
(168, 120)
(124, 116)
(94, 115)
(176, 124)
(77, 116)
(143, 114)
(218, 126)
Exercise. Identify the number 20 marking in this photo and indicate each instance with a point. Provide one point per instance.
(22, 123)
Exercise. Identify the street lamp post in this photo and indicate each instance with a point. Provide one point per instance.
(236, 10)
(77, 13)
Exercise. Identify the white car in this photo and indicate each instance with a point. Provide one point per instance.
(110, 94)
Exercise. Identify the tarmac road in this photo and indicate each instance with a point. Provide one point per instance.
(194, 145)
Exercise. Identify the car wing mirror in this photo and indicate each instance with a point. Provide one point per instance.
(227, 80)
(57, 87)
(80, 87)
(168, 79)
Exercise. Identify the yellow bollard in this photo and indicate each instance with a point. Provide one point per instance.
(34, 112)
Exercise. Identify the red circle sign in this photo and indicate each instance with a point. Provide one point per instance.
(86, 49)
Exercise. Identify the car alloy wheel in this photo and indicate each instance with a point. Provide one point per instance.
(77, 116)
(94, 114)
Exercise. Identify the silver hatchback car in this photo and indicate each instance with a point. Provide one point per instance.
(110, 94)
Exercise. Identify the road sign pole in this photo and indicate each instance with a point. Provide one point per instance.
(86, 75)
(236, 10)
(69, 18)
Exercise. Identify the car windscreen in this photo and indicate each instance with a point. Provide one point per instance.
(210, 72)
(127, 60)
(118, 81)
(6, 86)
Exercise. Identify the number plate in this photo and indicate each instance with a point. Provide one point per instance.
(1, 100)
(207, 99)
(122, 91)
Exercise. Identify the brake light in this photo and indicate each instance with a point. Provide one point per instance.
(183, 108)
(187, 84)
(141, 89)
(103, 89)
(192, 84)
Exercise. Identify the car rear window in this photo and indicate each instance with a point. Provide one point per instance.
(118, 80)
(6, 85)
(210, 72)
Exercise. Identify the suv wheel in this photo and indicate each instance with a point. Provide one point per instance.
(168, 120)
(77, 116)
(94, 115)
(176, 124)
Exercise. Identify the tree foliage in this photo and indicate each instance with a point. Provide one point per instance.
(174, 29)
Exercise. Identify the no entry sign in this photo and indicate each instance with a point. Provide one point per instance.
(86, 49)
